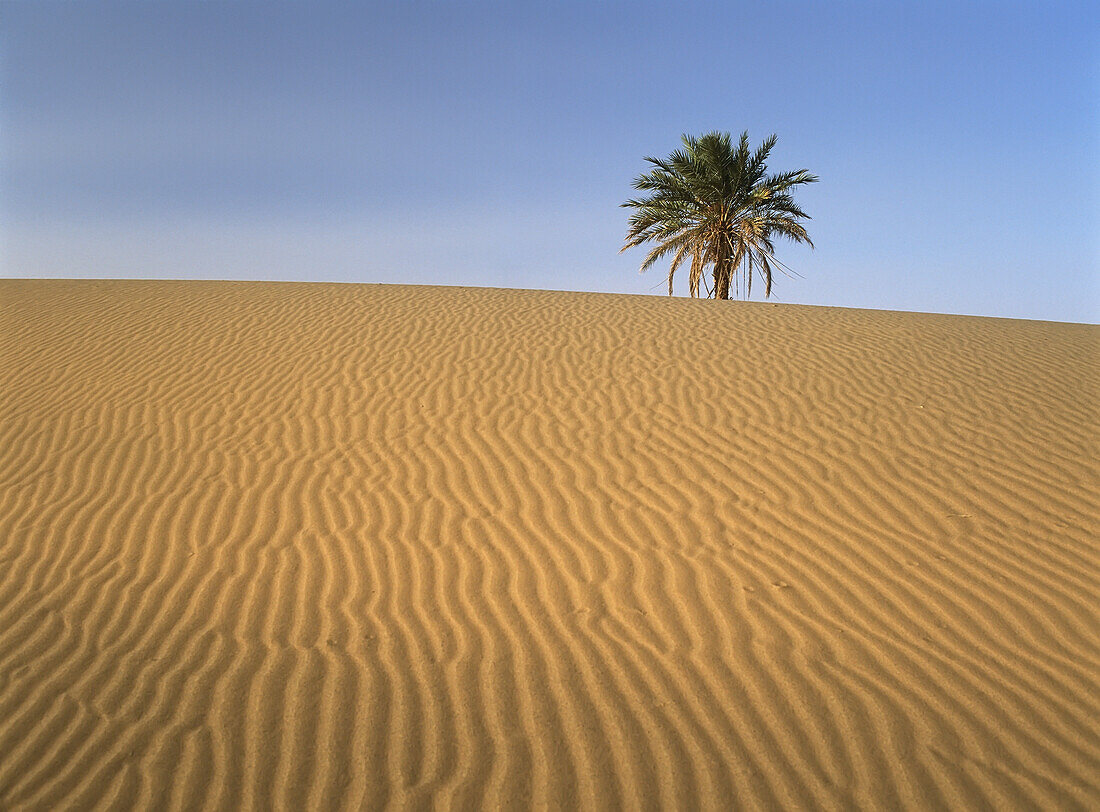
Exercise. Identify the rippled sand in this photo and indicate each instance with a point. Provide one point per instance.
(311, 546)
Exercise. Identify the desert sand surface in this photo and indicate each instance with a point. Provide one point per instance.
(323, 546)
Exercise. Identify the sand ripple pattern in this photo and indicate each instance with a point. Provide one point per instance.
(304, 546)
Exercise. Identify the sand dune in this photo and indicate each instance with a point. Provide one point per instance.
(308, 546)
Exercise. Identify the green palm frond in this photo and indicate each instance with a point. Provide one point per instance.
(712, 202)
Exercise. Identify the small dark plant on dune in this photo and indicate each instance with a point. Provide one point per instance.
(712, 203)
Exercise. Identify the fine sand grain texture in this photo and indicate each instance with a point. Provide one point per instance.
(311, 546)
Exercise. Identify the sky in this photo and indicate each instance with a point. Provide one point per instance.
(491, 144)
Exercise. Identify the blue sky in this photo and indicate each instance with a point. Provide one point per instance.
(490, 144)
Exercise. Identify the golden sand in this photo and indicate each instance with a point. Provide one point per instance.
(313, 546)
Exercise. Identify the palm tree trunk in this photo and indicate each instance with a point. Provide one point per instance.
(721, 281)
(722, 269)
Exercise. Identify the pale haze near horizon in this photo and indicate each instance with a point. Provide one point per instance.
(491, 144)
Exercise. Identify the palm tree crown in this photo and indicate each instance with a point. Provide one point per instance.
(712, 203)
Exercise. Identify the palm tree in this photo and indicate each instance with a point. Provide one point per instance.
(712, 203)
